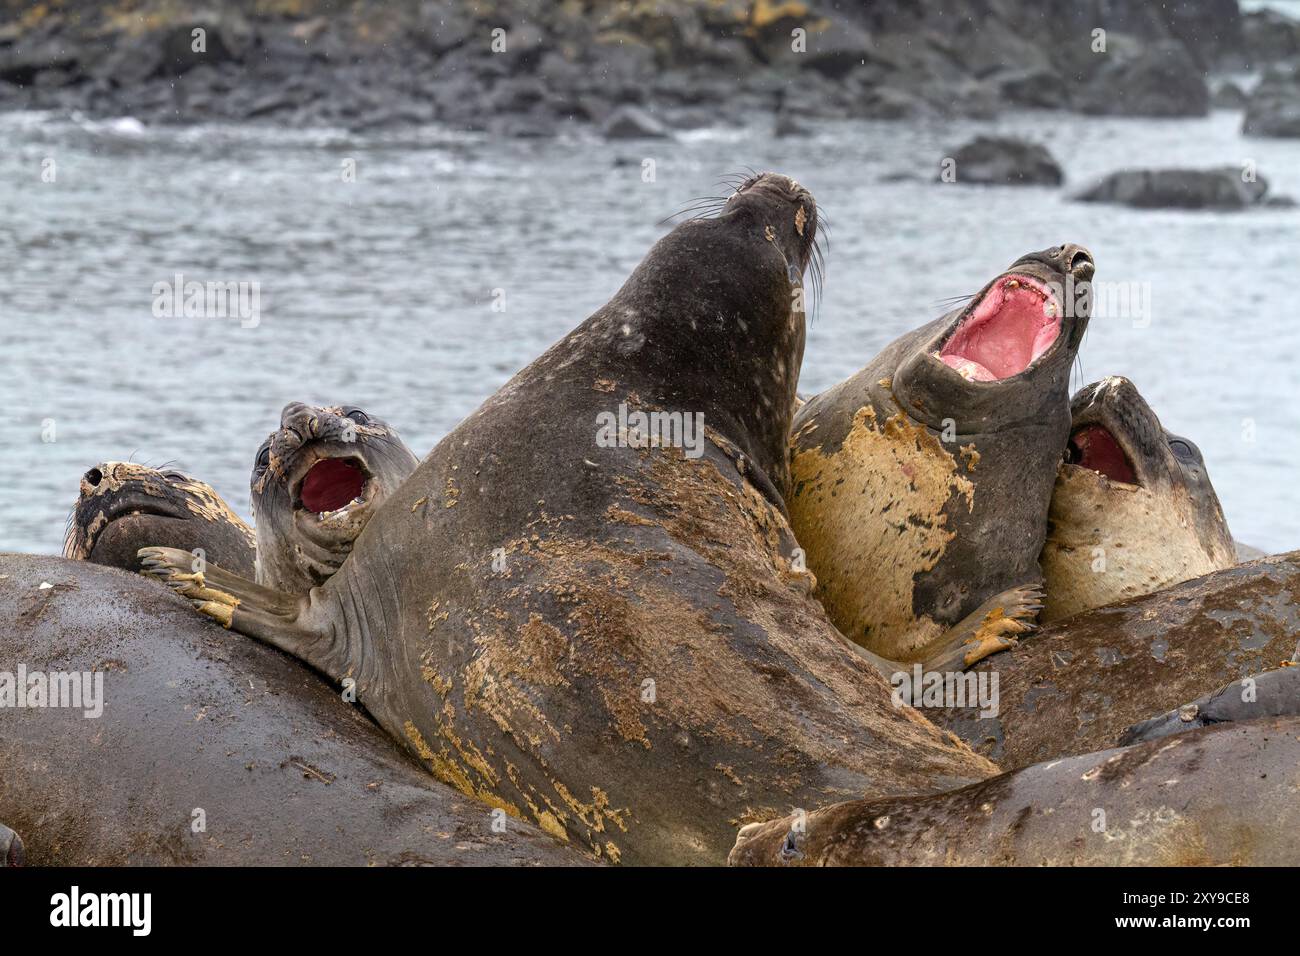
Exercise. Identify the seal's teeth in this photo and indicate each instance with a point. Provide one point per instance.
(1013, 283)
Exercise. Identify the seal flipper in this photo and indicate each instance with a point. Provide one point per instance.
(12, 852)
(1274, 693)
(993, 626)
(241, 605)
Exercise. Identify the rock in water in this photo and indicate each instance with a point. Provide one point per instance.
(1274, 108)
(1160, 80)
(1003, 160)
(632, 122)
(1225, 188)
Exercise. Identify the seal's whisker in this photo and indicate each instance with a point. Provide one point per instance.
(701, 207)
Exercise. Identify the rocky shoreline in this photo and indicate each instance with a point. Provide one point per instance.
(640, 67)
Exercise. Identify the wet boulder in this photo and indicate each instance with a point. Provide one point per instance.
(1006, 161)
(1224, 188)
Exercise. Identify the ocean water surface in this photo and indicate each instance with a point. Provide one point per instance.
(379, 292)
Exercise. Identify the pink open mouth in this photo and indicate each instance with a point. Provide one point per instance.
(1096, 448)
(330, 484)
(1016, 322)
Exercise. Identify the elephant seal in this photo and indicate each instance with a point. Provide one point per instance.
(208, 751)
(316, 481)
(1220, 796)
(1133, 510)
(581, 606)
(1274, 693)
(920, 486)
(12, 852)
(123, 506)
(1080, 683)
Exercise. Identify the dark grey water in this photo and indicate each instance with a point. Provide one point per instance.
(378, 292)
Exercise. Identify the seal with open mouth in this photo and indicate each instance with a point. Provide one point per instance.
(604, 632)
(1133, 510)
(316, 481)
(123, 507)
(920, 486)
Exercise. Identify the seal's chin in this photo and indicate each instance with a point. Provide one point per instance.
(333, 486)
(1095, 448)
(1010, 327)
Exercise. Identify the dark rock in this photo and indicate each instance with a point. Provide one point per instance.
(836, 49)
(1274, 107)
(24, 62)
(1269, 37)
(631, 122)
(1227, 95)
(1224, 188)
(1041, 89)
(998, 160)
(1161, 80)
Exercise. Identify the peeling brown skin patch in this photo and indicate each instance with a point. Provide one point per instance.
(288, 773)
(645, 627)
(123, 506)
(1222, 796)
(1078, 684)
(919, 495)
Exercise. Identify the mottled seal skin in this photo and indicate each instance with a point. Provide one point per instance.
(12, 852)
(1223, 796)
(123, 507)
(1081, 682)
(1273, 693)
(920, 489)
(608, 637)
(285, 771)
(316, 481)
(1133, 510)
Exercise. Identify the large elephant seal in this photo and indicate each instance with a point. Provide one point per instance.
(920, 486)
(316, 481)
(1133, 510)
(1080, 683)
(581, 607)
(123, 506)
(1220, 796)
(208, 751)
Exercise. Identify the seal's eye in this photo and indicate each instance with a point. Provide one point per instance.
(264, 459)
(358, 416)
(174, 476)
(1184, 451)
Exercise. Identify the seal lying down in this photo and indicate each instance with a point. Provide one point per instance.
(206, 751)
(122, 506)
(1221, 796)
(920, 486)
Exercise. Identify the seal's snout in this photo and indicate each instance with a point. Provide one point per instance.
(1072, 260)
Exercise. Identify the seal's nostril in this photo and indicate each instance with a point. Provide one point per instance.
(1081, 264)
(94, 476)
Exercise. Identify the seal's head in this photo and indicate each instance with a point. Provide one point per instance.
(1004, 355)
(717, 310)
(124, 507)
(316, 482)
(1133, 510)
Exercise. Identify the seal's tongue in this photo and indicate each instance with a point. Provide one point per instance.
(1094, 447)
(331, 484)
(1008, 329)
